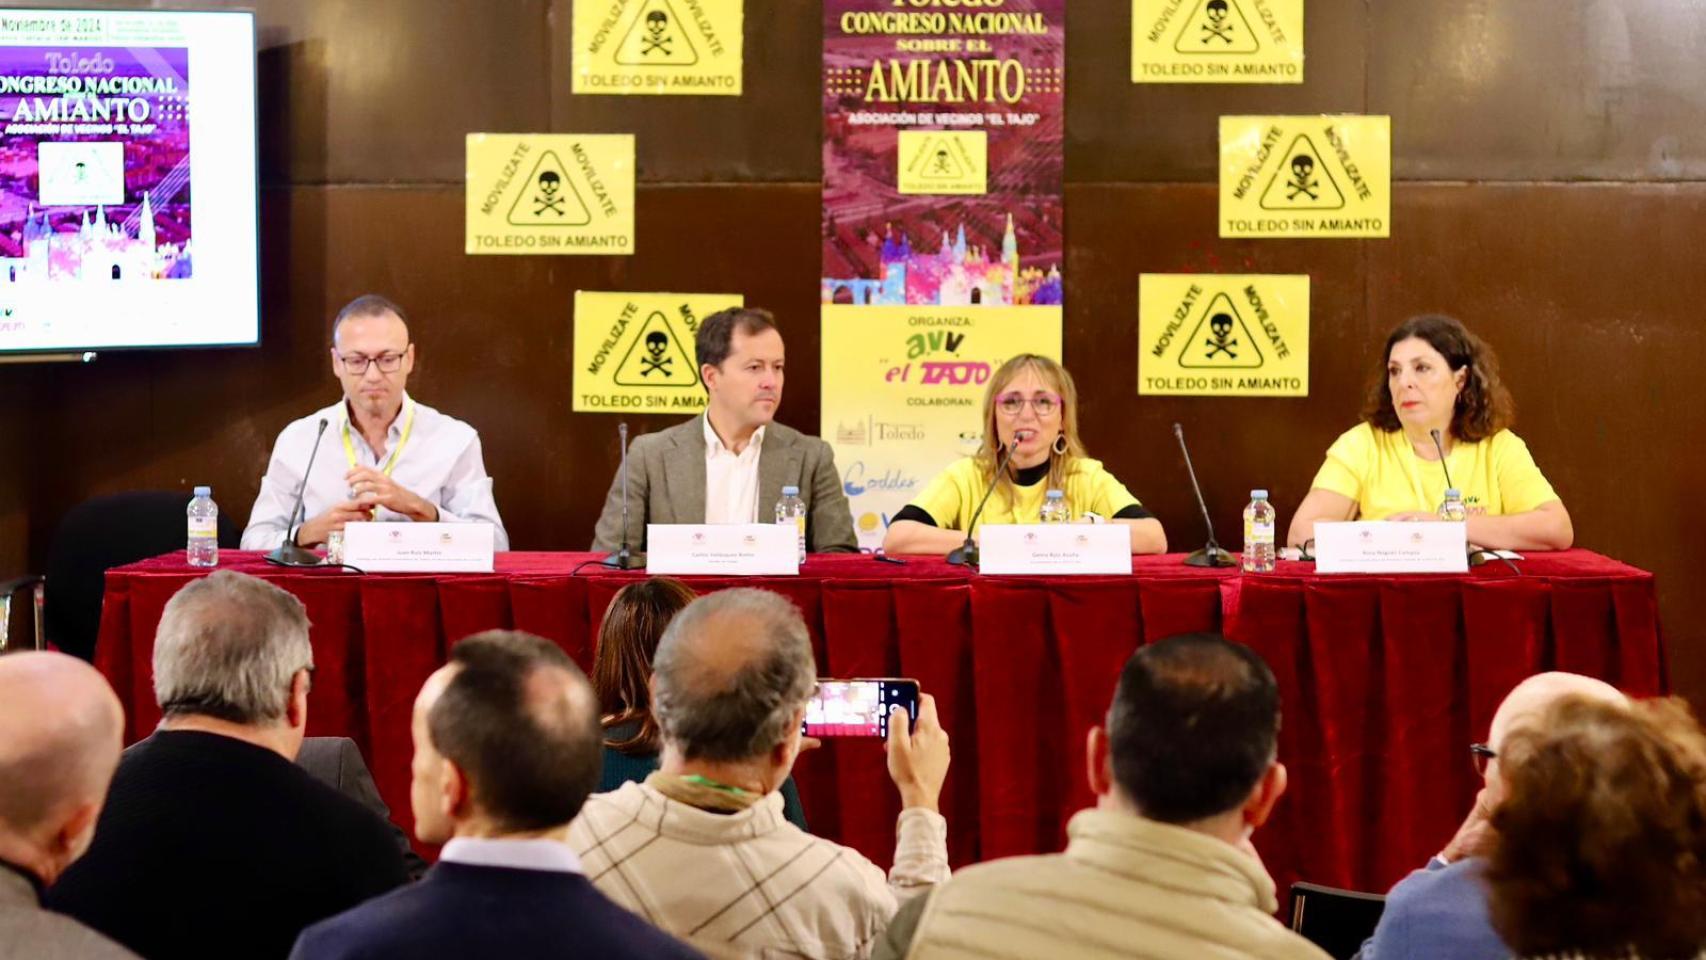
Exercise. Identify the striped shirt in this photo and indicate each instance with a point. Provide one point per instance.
(751, 884)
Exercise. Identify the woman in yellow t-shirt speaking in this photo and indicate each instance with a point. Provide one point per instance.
(1439, 377)
(1031, 407)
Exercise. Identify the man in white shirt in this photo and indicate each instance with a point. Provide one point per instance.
(507, 748)
(384, 455)
(730, 464)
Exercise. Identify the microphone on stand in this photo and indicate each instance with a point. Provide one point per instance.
(1210, 555)
(287, 553)
(1476, 557)
(1441, 448)
(624, 558)
(966, 554)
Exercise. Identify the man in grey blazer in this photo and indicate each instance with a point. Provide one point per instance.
(729, 464)
(63, 728)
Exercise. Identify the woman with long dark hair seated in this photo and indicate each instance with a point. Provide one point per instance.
(1437, 377)
(622, 674)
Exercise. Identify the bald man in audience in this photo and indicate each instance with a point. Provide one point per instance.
(1441, 910)
(61, 729)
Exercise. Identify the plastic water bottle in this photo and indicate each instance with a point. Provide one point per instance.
(1054, 508)
(1453, 509)
(1259, 534)
(204, 529)
(791, 509)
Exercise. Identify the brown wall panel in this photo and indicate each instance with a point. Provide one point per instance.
(1541, 90)
(494, 341)
(769, 133)
(1118, 131)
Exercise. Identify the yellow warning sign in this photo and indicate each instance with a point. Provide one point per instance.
(1237, 335)
(635, 351)
(943, 162)
(1217, 41)
(552, 201)
(550, 193)
(1305, 176)
(658, 47)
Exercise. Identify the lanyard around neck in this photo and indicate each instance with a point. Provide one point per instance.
(396, 452)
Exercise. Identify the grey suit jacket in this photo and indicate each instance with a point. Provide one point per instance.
(666, 484)
(337, 763)
(28, 932)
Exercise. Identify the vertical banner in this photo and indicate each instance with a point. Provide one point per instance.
(942, 228)
(903, 394)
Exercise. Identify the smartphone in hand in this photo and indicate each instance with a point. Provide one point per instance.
(859, 708)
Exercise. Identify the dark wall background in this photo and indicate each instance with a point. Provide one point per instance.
(1550, 155)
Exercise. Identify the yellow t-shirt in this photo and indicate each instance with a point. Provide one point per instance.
(1381, 472)
(952, 496)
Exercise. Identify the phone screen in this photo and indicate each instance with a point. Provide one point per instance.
(858, 708)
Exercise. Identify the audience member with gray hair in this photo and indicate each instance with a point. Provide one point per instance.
(701, 847)
(212, 842)
(60, 732)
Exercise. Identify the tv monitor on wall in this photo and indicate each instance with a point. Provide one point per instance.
(127, 180)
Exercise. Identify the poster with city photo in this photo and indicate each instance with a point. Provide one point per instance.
(942, 157)
(94, 163)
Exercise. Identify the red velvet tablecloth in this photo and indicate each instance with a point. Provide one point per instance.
(1385, 680)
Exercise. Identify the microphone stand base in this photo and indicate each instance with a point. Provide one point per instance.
(1211, 556)
(966, 556)
(624, 559)
(291, 555)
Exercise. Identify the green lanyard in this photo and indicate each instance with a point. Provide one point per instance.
(699, 781)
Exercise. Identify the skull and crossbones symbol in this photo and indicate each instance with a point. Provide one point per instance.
(657, 24)
(1217, 25)
(941, 165)
(1222, 341)
(656, 344)
(547, 199)
(1302, 166)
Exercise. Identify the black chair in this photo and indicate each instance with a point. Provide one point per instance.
(1337, 921)
(94, 537)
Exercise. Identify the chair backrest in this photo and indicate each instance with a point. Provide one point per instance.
(1337, 921)
(106, 532)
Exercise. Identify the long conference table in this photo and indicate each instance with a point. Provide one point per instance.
(1385, 681)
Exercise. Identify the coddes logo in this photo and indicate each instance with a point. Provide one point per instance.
(854, 482)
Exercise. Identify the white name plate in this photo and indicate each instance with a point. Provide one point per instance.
(762, 549)
(419, 547)
(1385, 546)
(1055, 548)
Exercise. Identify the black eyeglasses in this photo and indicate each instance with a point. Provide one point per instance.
(1480, 755)
(357, 363)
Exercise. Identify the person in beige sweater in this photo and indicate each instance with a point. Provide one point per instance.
(1163, 867)
(701, 848)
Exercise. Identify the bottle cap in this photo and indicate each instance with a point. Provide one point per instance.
(1056, 495)
(790, 491)
(1258, 494)
(1454, 494)
(204, 491)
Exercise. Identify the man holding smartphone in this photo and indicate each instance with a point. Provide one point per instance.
(701, 848)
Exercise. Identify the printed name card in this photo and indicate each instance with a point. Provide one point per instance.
(1385, 546)
(419, 547)
(762, 549)
(1055, 548)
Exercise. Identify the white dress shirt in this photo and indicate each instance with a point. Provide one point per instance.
(531, 854)
(441, 464)
(731, 479)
